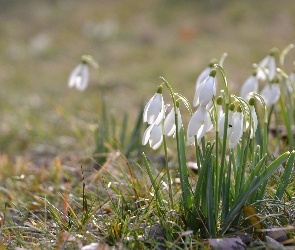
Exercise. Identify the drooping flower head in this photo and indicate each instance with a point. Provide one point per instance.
(169, 123)
(269, 65)
(230, 122)
(206, 90)
(154, 110)
(154, 135)
(237, 130)
(79, 77)
(271, 92)
(199, 124)
(206, 72)
(250, 85)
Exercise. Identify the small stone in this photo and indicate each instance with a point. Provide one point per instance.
(246, 238)
(227, 244)
(154, 232)
(277, 234)
(273, 244)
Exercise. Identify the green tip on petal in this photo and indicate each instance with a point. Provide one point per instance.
(159, 90)
(254, 73)
(276, 79)
(213, 73)
(219, 100)
(231, 107)
(251, 101)
(239, 109)
(213, 62)
(273, 51)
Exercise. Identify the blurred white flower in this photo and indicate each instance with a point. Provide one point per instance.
(291, 82)
(199, 124)
(237, 130)
(250, 85)
(271, 93)
(154, 110)
(221, 124)
(206, 90)
(269, 65)
(79, 77)
(154, 135)
(254, 121)
(169, 123)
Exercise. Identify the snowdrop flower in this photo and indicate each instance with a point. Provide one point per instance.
(237, 130)
(269, 64)
(206, 90)
(206, 72)
(254, 121)
(230, 122)
(199, 124)
(291, 82)
(169, 123)
(79, 77)
(154, 135)
(250, 85)
(271, 93)
(154, 110)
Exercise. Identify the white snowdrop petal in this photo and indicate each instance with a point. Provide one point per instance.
(190, 140)
(250, 85)
(270, 94)
(146, 135)
(146, 109)
(204, 74)
(156, 135)
(161, 114)
(196, 122)
(207, 91)
(272, 68)
(237, 130)
(169, 123)
(255, 122)
(75, 72)
(264, 61)
(153, 108)
(221, 126)
(179, 119)
(84, 78)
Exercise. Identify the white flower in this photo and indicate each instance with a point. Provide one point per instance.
(206, 72)
(199, 124)
(154, 135)
(237, 130)
(221, 124)
(205, 91)
(271, 93)
(250, 85)
(291, 82)
(169, 123)
(269, 65)
(79, 77)
(154, 110)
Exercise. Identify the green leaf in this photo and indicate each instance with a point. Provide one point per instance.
(286, 177)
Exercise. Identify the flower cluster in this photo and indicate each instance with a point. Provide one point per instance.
(209, 114)
(154, 115)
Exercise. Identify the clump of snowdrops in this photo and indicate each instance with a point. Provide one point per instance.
(234, 164)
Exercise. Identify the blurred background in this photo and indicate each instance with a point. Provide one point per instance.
(134, 42)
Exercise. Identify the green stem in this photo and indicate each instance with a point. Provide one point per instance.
(168, 173)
